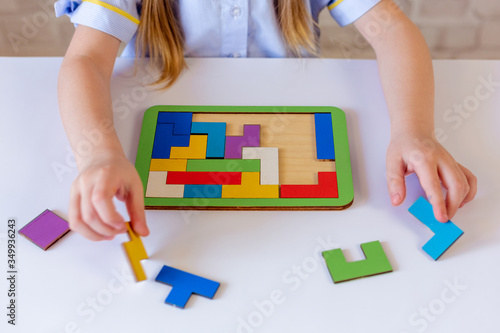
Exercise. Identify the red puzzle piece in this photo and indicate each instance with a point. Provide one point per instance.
(203, 178)
(326, 188)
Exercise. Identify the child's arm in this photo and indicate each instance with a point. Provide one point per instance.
(407, 78)
(86, 108)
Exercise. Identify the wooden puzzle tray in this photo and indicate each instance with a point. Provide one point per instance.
(245, 157)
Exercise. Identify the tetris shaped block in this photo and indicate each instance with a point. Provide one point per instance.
(202, 191)
(165, 139)
(376, 262)
(135, 252)
(324, 136)
(269, 168)
(158, 188)
(45, 229)
(181, 121)
(197, 148)
(326, 188)
(225, 165)
(445, 234)
(216, 132)
(250, 138)
(250, 188)
(168, 164)
(204, 178)
(184, 284)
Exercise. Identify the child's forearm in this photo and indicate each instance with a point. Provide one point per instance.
(86, 109)
(405, 70)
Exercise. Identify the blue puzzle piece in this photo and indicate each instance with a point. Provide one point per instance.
(325, 149)
(202, 191)
(216, 132)
(445, 234)
(184, 284)
(165, 139)
(181, 120)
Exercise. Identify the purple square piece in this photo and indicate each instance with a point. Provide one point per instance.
(45, 229)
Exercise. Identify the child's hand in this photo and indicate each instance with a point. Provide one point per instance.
(434, 166)
(91, 210)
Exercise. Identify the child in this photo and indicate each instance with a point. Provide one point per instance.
(168, 30)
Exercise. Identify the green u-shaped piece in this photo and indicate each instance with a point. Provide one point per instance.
(376, 262)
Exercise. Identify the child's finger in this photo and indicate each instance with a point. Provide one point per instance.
(457, 187)
(472, 180)
(429, 180)
(135, 208)
(90, 216)
(75, 221)
(396, 180)
(102, 199)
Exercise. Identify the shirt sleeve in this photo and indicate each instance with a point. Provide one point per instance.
(119, 18)
(347, 11)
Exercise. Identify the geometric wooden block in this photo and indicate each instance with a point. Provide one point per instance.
(250, 188)
(202, 191)
(157, 186)
(45, 229)
(376, 262)
(165, 139)
(181, 121)
(225, 165)
(216, 141)
(269, 169)
(197, 148)
(184, 284)
(326, 188)
(203, 178)
(134, 249)
(250, 138)
(168, 164)
(325, 149)
(445, 234)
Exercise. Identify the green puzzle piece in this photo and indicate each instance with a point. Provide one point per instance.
(376, 262)
(226, 165)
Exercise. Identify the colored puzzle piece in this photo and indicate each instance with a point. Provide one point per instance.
(225, 165)
(135, 252)
(168, 164)
(376, 262)
(250, 188)
(184, 284)
(157, 186)
(197, 148)
(165, 139)
(250, 138)
(181, 121)
(325, 149)
(326, 188)
(45, 229)
(216, 141)
(202, 191)
(445, 234)
(204, 178)
(269, 169)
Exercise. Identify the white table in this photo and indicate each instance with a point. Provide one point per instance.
(257, 256)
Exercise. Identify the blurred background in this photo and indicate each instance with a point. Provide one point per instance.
(454, 29)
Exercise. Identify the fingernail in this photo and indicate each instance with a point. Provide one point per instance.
(395, 198)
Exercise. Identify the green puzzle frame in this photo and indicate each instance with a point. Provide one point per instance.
(342, 163)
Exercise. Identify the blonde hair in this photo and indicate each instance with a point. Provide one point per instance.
(160, 34)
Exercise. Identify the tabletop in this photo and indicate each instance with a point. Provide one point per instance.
(269, 264)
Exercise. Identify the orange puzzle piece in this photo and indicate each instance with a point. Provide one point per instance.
(135, 251)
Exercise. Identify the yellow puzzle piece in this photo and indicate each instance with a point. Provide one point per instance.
(250, 188)
(135, 252)
(197, 148)
(167, 164)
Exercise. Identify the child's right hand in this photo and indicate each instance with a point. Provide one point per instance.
(92, 212)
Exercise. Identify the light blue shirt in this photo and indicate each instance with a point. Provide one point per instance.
(211, 28)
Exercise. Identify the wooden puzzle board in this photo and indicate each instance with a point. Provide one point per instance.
(290, 132)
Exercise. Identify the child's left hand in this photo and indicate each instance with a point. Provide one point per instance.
(434, 167)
